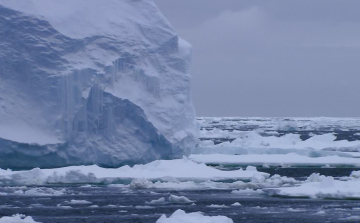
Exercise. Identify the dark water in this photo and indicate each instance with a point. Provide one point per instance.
(253, 209)
(129, 205)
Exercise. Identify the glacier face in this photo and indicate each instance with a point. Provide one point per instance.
(92, 82)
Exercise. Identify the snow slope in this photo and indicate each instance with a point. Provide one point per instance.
(92, 82)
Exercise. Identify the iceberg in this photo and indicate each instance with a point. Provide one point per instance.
(78, 89)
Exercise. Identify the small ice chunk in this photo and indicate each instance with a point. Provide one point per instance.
(355, 174)
(63, 206)
(79, 202)
(295, 210)
(158, 201)
(140, 183)
(236, 204)
(179, 199)
(247, 191)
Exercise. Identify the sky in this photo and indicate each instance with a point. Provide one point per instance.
(271, 58)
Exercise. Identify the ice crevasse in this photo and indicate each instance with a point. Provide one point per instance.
(92, 82)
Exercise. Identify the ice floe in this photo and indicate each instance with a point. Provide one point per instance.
(318, 186)
(180, 216)
(291, 159)
(78, 202)
(179, 199)
(18, 218)
(155, 202)
(180, 169)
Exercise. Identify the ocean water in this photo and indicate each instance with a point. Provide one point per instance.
(117, 205)
(107, 204)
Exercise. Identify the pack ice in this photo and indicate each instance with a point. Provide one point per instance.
(92, 82)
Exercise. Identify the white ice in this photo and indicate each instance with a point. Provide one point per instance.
(18, 218)
(180, 169)
(180, 216)
(291, 159)
(179, 199)
(318, 186)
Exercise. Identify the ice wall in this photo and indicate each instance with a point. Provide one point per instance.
(92, 82)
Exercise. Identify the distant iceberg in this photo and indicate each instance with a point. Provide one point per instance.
(92, 82)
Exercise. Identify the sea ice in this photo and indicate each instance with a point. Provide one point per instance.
(180, 216)
(155, 202)
(78, 202)
(181, 169)
(18, 218)
(179, 199)
(318, 186)
(291, 159)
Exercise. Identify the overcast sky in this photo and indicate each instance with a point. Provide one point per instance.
(271, 58)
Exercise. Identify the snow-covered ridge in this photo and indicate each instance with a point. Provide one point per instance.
(108, 89)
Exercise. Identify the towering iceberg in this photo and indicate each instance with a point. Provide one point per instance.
(92, 82)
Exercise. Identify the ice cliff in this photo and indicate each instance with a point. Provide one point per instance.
(92, 82)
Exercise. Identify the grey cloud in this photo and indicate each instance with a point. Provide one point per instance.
(272, 58)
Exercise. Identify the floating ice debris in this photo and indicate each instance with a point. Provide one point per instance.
(180, 216)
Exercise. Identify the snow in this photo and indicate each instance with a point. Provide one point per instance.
(180, 169)
(17, 219)
(68, 18)
(180, 216)
(291, 159)
(179, 199)
(318, 186)
(110, 89)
